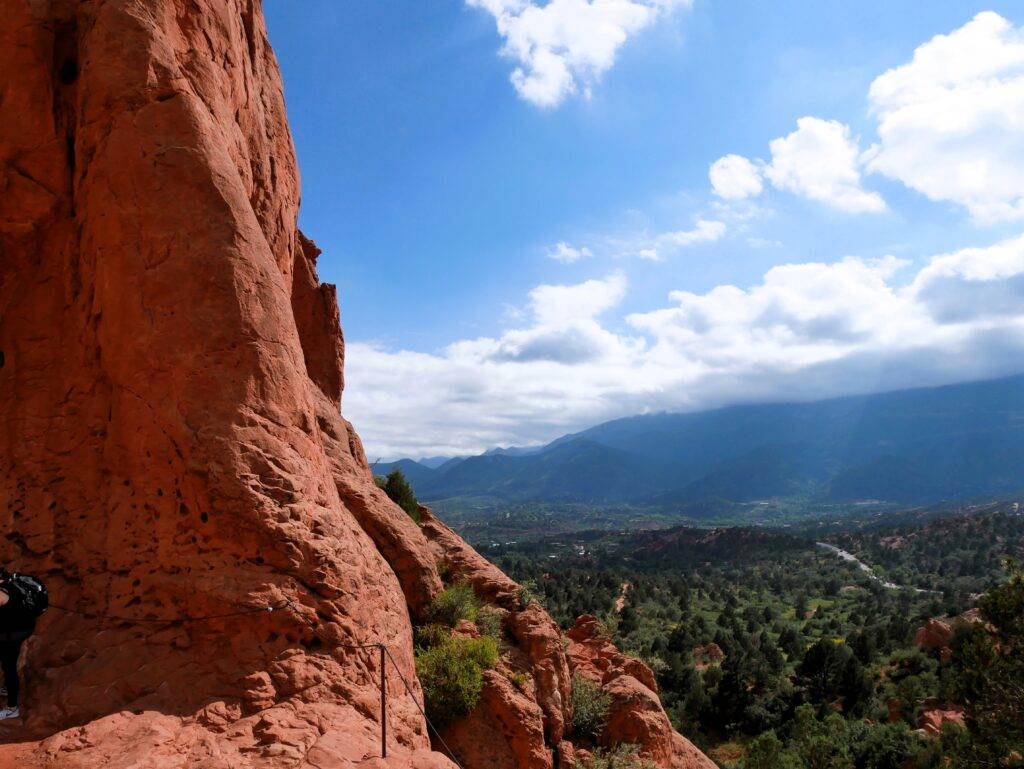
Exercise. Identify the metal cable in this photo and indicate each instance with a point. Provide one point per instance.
(412, 696)
(267, 610)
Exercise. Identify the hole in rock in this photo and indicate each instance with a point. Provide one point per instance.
(204, 517)
(2, 359)
(68, 72)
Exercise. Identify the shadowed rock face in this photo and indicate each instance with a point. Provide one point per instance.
(170, 438)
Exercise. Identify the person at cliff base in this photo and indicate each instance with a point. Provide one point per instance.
(23, 599)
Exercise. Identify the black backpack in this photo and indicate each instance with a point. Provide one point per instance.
(28, 595)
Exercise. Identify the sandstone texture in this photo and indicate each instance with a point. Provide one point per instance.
(636, 715)
(173, 459)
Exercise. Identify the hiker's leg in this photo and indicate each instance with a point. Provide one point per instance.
(9, 651)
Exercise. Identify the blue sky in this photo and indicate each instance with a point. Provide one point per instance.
(439, 184)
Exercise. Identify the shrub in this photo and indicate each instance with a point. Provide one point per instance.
(590, 706)
(488, 622)
(767, 752)
(400, 492)
(528, 594)
(519, 679)
(451, 674)
(429, 636)
(453, 604)
(621, 757)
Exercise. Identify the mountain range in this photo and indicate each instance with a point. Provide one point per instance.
(917, 446)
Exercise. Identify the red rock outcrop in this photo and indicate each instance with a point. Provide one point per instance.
(934, 634)
(934, 714)
(173, 461)
(937, 634)
(636, 715)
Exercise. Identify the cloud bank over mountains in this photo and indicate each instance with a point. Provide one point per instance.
(806, 330)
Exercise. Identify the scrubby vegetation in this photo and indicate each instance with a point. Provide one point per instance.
(776, 654)
(488, 621)
(450, 667)
(590, 706)
(620, 757)
(451, 674)
(400, 492)
(989, 678)
(454, 603)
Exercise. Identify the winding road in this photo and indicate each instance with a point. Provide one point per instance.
(847, 556)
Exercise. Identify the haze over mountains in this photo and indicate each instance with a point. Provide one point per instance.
(914, 446)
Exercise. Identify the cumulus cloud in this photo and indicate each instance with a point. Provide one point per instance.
(805, 330)
(820, 160)
(562, 47)
(949, 124)
(733, 177)
(563, 252)
(951, 121)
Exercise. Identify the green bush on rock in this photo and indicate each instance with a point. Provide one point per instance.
(590, 706)
(621, 757)
(454, 603)
(451, 674)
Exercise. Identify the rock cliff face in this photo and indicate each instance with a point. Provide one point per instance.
(171, 443)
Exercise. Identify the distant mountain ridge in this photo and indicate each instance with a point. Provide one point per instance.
(916, 446)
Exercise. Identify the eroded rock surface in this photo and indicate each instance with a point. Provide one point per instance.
(636, 715)
(171, 442)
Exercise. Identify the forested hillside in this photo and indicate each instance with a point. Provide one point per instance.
(765, 644)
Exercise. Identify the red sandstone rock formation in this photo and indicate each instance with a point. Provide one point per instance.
(636, 715)
(937, 634)
(934, 714)
(934, 634)
(171, 444)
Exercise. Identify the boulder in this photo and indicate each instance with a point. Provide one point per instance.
(934, 634)
(504, 731)
(934, 714)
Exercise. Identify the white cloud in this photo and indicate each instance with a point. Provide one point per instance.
(659, 246)
(564, 46)
(819, 160)
(733, 177)
(563, 252)
(554, 304)
(804, 331)
(951, 121)
(974, 283)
